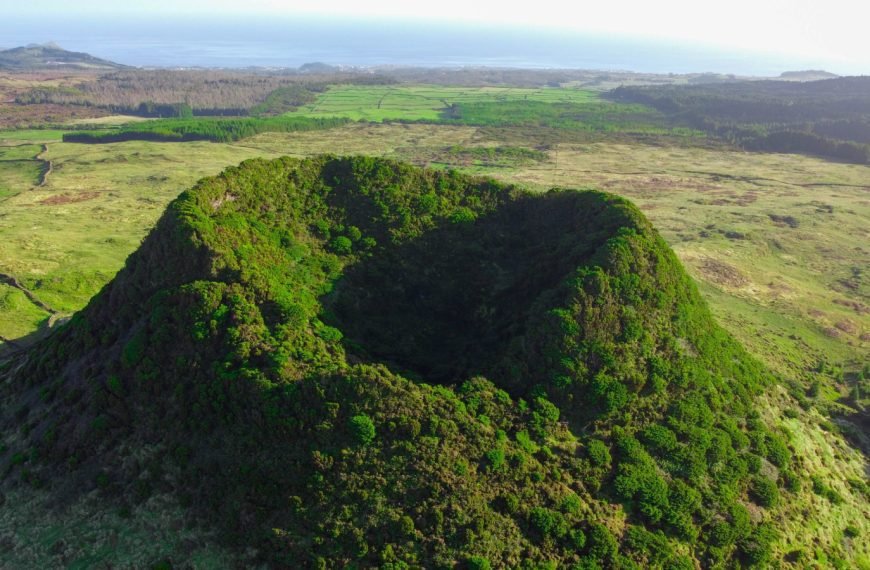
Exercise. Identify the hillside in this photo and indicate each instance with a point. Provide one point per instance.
(36, 57)
(807, 75)
(354, 362)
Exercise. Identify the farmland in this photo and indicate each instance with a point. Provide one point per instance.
(555, 108)
(419, 103)
(565, 111)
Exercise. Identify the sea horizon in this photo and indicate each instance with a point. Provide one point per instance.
(290, 43)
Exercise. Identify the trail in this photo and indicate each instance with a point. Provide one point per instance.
(13, 282)
(384, 96)
(43, 176)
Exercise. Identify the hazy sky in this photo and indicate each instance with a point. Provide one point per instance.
(832, 30)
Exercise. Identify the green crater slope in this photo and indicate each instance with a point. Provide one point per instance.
(352, 362)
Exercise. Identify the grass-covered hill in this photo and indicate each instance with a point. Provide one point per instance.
(37, 57)
(352, 362)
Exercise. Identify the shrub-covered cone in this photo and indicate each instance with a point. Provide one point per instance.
(355, 362)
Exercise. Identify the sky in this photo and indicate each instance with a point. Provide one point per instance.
(830, 30)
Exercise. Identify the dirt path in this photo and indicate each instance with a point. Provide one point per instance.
(13, 282)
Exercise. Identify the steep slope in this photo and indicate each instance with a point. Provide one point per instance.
(351, 361)
(36, 57)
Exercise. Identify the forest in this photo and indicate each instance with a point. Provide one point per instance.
(205, 92)
(826, 118)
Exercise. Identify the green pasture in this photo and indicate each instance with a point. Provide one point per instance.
(427, 103)
(19, 168)
(30, 135)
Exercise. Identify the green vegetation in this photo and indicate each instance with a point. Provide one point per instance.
(787, 291)
(598, 116)
(363, 429)
(431, 103)
(503, 156)
(18, 316)
(415, 103)
(826, 118)
(32, 135)
(167, 110)
(287, 99)
(19, 168)
(550, 108)
(19, 152)
(562, 109)
(238, 343)
(216, 130)
(51, 56)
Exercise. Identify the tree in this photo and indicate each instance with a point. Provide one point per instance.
(363, 429)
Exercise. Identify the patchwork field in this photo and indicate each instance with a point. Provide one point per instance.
(413, 103)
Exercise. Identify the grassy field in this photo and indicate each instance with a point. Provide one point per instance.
(427, 103)
(108, 121)
(19, 168)
(66, 239)
(778, 244)
(31, 136)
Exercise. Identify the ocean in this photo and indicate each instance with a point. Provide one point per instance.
(289, 42)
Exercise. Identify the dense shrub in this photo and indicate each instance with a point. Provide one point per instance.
(337, 395)
(763, 491)
(599, 454)
(495, 459)
(777, 451)
(363, 429)
(756, 548)
(341, 245)
(548, 523)
(602, 544)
